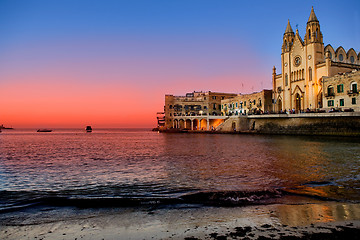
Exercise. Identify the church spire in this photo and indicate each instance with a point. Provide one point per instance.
(313, 33)
(312, 17)
(288, 28)
(288, 38)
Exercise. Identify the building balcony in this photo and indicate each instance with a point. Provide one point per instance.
(331, 94)
(350, 92)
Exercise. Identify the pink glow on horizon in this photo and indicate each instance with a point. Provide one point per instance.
(59, 89)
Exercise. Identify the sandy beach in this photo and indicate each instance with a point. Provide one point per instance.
(329, 220)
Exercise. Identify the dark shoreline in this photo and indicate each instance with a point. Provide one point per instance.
(256, 133)
(268, 232)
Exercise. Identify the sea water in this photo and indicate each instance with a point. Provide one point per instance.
(137, 167)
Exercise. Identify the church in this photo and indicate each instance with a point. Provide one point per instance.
(304, 64)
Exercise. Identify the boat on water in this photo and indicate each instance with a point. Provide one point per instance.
(44, 130)
(3, 127)
(88, 129)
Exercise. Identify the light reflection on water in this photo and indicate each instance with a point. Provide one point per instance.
(143, 163)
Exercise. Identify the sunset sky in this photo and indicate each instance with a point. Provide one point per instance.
(71, 63)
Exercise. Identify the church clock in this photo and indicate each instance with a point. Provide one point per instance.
(297, 61)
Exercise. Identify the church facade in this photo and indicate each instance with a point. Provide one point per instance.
(304, 63)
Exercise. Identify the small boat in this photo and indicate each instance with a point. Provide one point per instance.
(44, 130)
(88, 129)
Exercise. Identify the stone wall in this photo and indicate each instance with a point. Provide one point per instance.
(336, 124)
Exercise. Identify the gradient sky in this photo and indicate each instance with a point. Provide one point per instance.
(69, 63)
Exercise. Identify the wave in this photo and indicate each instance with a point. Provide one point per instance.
(234, 198)
(210, 198)
(219, 198)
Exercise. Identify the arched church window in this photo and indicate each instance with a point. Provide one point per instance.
(310, 74)
(285, 45)
(341, 57)
(317, 33)
(302, 74)
(286, 79)
(352, 60)
(330, 55)
(309, 34)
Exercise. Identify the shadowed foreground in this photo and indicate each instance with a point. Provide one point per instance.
(327, 220)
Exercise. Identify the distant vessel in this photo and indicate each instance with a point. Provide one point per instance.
(2, 127)
(44, 130)
(88, 129)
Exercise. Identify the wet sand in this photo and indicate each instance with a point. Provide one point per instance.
(325, 220)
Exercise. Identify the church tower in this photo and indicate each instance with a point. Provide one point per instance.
(300, 84)
(288, 38)
(313, 34)
(281, 92)
(315, 54)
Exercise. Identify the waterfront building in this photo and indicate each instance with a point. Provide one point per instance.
(341, 91)
(313, 78)
(254, 103)
(194, 111)
(304, 64)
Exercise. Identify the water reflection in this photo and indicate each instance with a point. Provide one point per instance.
(148, 163)
(297, 215)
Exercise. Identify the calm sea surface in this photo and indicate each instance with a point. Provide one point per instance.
(135, 166)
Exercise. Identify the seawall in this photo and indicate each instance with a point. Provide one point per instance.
(331, 124)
